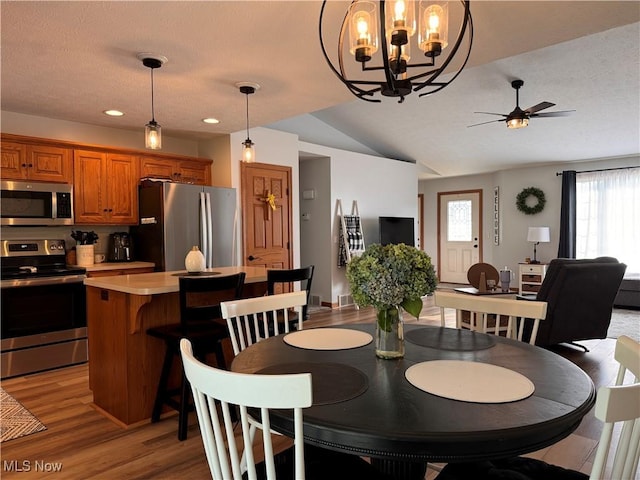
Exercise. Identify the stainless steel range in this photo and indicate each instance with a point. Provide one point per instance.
(44, 323)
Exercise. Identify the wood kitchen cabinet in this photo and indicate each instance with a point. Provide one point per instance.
(46, 163)
(105, 188)
(185, 171)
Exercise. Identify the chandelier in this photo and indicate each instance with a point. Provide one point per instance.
(381, 36)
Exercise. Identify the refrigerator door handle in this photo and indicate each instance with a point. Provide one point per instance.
(203, 225)
(209, 247)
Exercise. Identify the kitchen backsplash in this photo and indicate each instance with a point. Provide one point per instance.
(63, 233)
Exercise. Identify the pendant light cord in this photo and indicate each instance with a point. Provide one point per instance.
(247, 96)
(153, 116)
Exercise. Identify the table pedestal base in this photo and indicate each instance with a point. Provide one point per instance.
(400, 470)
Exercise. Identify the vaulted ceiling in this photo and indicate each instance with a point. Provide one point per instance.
(72, 60)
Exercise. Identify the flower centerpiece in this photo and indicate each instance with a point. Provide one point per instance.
(391, 278)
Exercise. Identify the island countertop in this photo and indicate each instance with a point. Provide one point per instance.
(166, 282)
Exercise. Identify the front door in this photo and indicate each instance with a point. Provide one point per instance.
(266, 210)
(460, 234)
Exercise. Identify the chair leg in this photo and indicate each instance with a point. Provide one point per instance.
(183, 414)
(162, 385)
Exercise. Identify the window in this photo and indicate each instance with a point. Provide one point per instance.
(608, 216)
(459, 221)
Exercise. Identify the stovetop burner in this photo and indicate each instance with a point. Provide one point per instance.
(26, 259)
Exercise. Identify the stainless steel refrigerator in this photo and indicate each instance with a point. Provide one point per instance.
(176, 216)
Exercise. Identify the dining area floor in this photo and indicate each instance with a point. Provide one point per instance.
(88, 445)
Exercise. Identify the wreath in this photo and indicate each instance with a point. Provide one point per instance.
(521, 201)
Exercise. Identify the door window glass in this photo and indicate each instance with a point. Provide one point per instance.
(459, 221)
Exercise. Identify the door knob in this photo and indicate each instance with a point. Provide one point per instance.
(251, 258)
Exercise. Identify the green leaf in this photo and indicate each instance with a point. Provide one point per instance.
(413, 306)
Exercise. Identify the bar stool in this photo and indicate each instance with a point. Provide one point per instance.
(304, 275)
(200, 299)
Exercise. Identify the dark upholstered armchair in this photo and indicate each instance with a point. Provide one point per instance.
(580, 295)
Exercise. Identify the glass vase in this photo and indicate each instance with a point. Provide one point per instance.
(389, 332)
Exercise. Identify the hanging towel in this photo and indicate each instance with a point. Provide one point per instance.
(354, 237)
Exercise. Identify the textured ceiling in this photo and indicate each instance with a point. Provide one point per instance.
(72, 60)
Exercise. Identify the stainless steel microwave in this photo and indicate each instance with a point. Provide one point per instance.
(34, 203)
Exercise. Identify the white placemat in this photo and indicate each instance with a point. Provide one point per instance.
(328, 339)
(469, 381)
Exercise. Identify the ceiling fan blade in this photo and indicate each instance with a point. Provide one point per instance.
(538, 107)
(484, 123)
(564, 113)
(491, 113)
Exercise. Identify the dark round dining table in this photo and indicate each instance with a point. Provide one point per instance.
(364, 405)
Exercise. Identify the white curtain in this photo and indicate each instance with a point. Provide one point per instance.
(608, 216)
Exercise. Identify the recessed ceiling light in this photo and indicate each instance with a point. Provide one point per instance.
(113, 113)
(210, 120)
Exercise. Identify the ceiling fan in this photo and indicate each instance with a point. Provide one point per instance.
(519, 118)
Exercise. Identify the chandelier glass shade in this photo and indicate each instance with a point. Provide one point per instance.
(407, 53)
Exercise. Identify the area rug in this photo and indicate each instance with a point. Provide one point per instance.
(624, 322)
(15, 420)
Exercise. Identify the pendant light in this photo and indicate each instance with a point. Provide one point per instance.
(152, 130)
(248, 152)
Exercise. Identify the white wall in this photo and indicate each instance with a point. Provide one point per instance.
(43, 127)
(513, 247)
(382, 187)
(315, 232)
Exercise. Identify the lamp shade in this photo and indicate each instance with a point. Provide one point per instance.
(538, 234)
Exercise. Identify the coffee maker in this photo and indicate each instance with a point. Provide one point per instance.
(120, 247)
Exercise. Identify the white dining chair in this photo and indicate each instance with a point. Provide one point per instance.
(250, 320)
(620, 403)
(481, 307)
(216, 392)
(616, 406)
(263, 392)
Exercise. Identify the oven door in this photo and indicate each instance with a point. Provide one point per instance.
(43, 326)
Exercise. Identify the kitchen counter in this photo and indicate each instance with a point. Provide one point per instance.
(106, 266)
(125, 362)
(166, 282)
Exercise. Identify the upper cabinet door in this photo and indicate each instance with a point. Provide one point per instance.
(157, 168)
(36, 162)
(105, 188)
(121, 185)
(50, 164)
(90, 203)
(14, 161)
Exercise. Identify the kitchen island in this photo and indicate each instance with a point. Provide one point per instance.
(125, 362)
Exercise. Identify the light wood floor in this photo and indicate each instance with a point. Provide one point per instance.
(89, 446)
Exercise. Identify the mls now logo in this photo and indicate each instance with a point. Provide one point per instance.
(28, 466)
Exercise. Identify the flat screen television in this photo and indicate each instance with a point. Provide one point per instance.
(396, 230)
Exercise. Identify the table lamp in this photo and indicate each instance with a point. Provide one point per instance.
(537, 235)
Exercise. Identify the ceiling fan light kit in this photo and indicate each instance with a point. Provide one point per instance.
(519, 118)
(389, 27)
(152, 130)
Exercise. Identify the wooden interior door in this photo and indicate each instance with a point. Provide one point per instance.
(266, 225)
